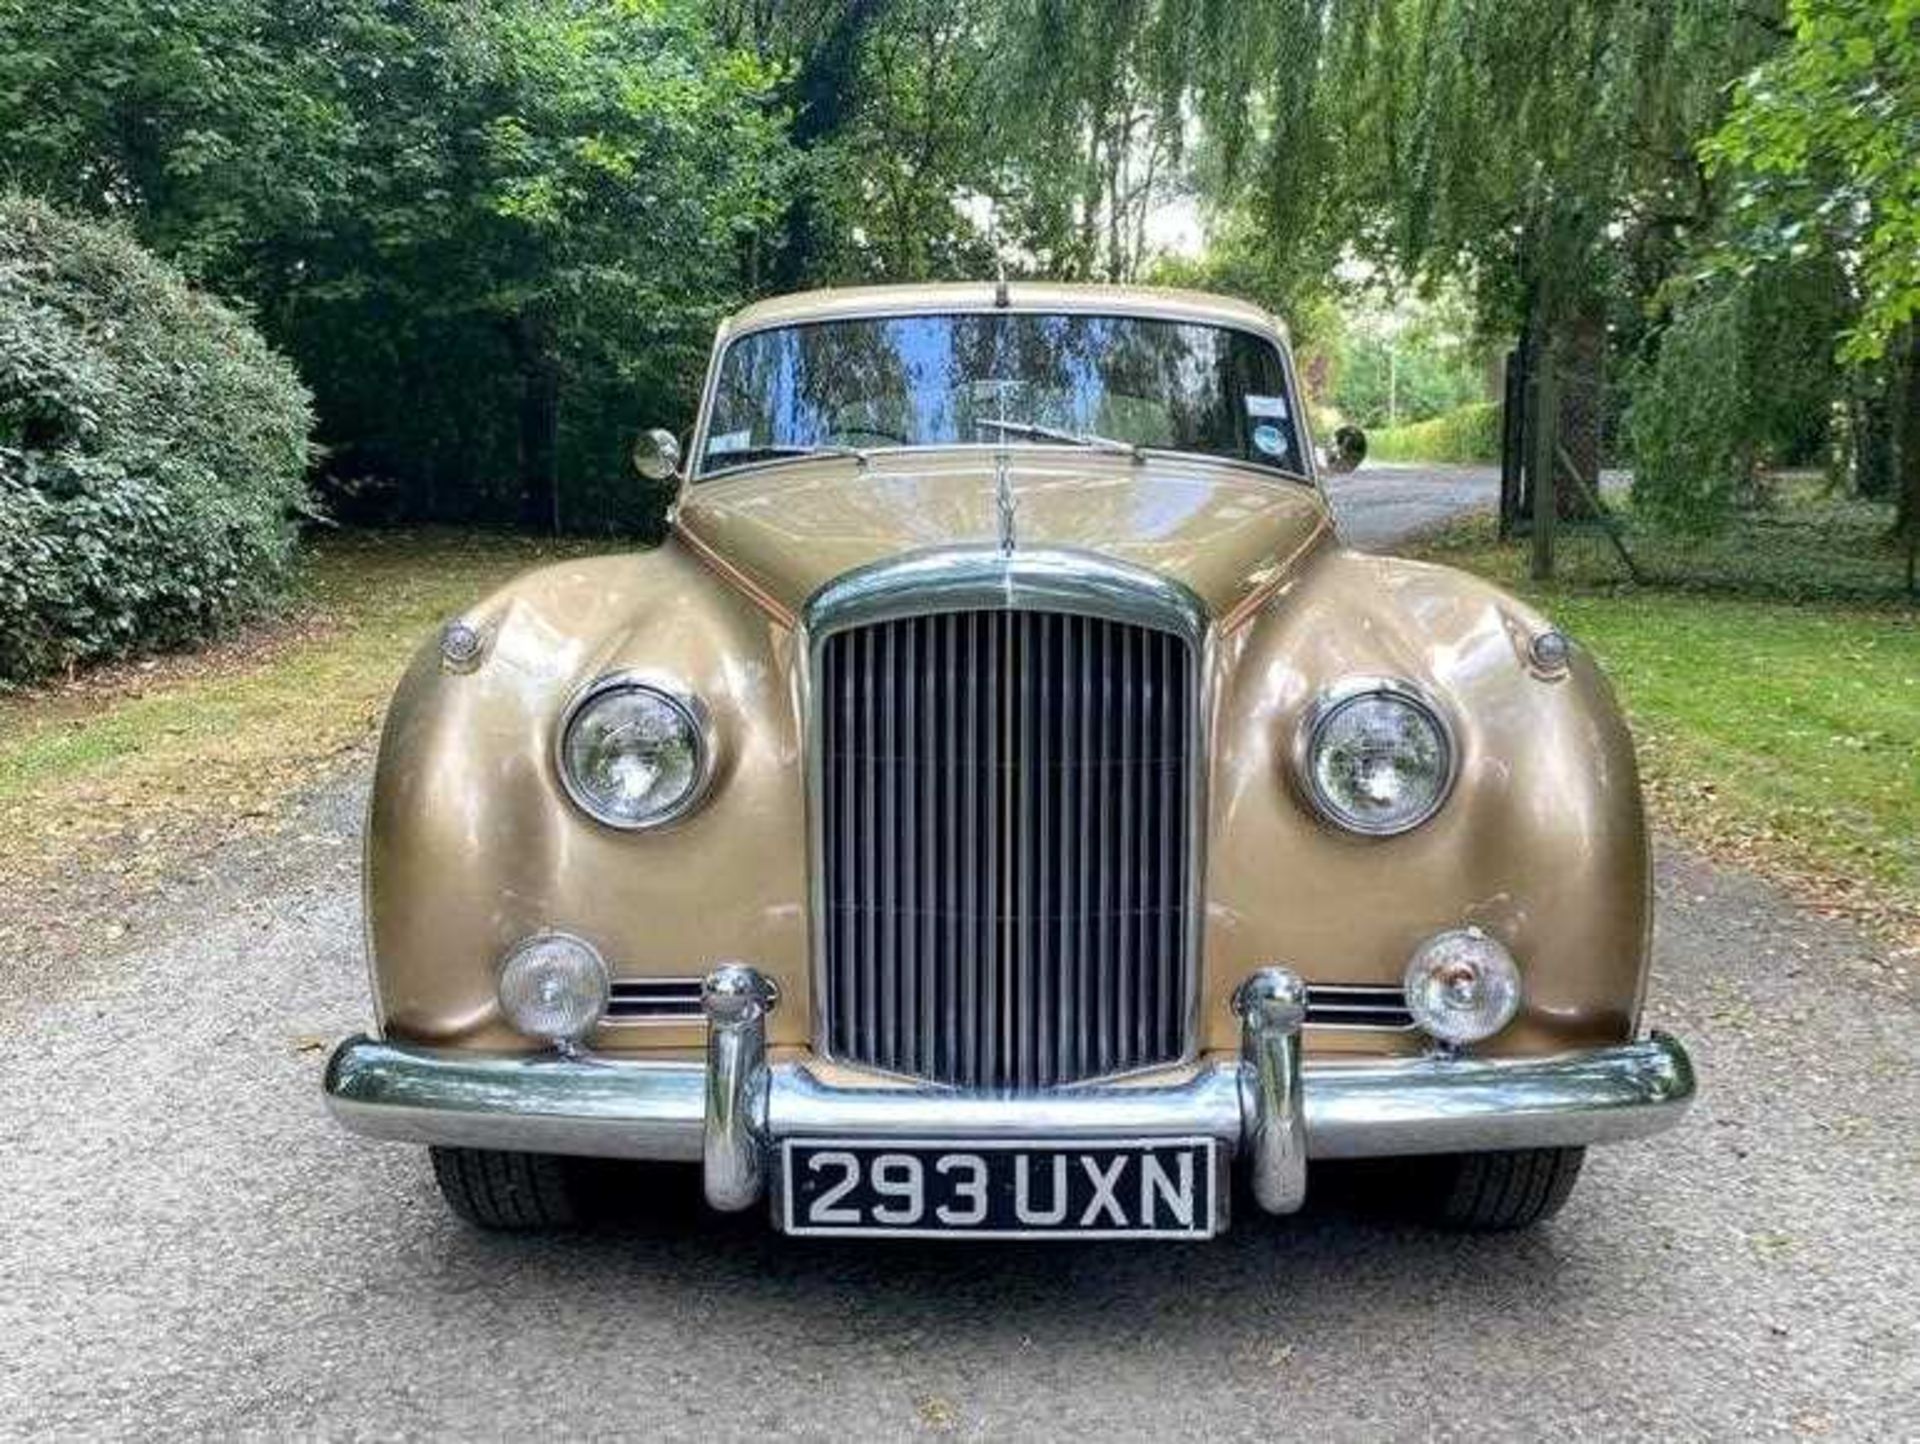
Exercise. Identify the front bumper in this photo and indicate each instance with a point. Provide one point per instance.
(1268, 1107)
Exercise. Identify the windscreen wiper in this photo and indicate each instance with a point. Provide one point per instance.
(746, 455)
(1055, 433)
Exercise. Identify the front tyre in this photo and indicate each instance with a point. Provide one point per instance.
(1498, 1192)
(507, 1190)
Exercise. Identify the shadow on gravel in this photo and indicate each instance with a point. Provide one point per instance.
(1355, 1239)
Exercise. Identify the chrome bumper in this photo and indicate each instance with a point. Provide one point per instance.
(1268, 1107)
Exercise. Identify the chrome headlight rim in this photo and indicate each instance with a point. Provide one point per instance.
(693, 712)
(1328, 705)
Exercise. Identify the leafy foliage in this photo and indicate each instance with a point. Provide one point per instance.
(1744, 377)
(547, 201)
(1407, 362)
(1824, 138)
(1469, 434)
(1691, 460)
(495, 236)
(152, 450)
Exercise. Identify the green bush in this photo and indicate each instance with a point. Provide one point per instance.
(1471, 433)
(153, 450)
(1744, 379)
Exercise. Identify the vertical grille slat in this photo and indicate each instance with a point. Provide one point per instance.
(1005, 808)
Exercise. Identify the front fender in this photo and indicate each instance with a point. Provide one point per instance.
(1542, 843)
(473, 844)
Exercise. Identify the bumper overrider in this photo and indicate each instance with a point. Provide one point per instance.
(1268, 1109)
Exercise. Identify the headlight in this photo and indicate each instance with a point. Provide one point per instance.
(553, 986)
(1462, 986)
(1376, 758)
(633, 754)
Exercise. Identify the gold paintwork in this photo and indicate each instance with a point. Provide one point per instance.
(781, 532)
(473, 844)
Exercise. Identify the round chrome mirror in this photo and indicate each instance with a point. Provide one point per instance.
(656, 455)
(1348, 450)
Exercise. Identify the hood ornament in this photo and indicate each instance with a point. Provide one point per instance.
(1003, 499)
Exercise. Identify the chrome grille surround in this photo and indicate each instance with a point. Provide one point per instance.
(978, 580)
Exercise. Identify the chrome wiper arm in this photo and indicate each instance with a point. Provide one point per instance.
(1055, 433)
(780, 451)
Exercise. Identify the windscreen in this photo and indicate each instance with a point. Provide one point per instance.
(946, 380)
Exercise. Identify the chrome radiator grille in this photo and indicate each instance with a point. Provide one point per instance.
(1004, 838)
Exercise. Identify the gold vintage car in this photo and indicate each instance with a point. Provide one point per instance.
(1002, 808)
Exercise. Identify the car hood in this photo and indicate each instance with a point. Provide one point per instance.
(1225, 531)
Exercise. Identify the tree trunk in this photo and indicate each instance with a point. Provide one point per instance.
(536, 357)
(1906, 435)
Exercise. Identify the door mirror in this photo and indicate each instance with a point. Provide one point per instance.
(1348, 449)
(656, 455)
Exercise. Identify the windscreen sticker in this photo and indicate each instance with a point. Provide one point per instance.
(730, 441)
(1267, 437)
(1267, 406)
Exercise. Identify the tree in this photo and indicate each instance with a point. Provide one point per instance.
(1822, 143)
(899, 185)
(494, 235)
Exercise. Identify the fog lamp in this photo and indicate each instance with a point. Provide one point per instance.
(553, 986)
(1462, 986)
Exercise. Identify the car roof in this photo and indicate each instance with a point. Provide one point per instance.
(923, 299)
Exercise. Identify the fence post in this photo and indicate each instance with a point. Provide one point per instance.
(1546, 418)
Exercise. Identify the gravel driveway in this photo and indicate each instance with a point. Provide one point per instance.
(189, 1247)
(1385, 502)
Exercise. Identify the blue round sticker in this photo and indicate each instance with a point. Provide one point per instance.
(1269, 439)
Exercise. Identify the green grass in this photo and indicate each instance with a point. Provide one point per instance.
(160, 750)
(1802, 545)
(1785, 732)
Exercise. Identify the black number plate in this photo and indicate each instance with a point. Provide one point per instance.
(1166, 1188)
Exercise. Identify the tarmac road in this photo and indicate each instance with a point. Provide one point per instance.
(189, 1247)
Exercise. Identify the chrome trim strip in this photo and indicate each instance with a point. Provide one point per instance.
(983, 578)
(974, 578)
(1049, 451)
(656, 1108)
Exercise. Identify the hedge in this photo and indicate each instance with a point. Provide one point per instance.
(153, 451)
(1472, 433)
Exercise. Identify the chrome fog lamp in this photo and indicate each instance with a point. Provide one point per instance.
(553, 986)
(633, 754)
(1462, 986)
(1375, 757)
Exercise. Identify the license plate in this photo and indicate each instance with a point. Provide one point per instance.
(1166, 1188)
